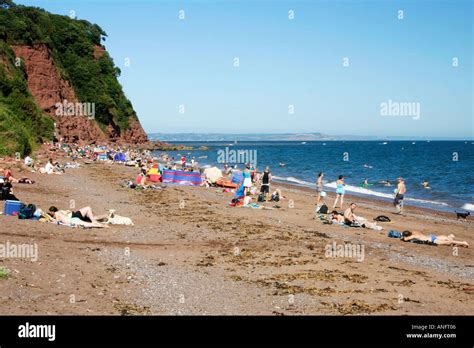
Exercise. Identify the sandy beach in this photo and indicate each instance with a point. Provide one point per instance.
(189, 252)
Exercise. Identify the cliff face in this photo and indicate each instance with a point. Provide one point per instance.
(49, 89)
(65, 76)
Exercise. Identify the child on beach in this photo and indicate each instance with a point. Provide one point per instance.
(340, 190)
(319, 187)
(247, 179)
(247, 199)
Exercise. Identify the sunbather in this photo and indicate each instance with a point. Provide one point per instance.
(7, 175)
(440, 240)
(83, 217)
(336, 218)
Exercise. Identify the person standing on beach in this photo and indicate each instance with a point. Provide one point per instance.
(266, 179)
(339, 191)
(183, 162)
(399, 195)
(247, 179)
(319, 187)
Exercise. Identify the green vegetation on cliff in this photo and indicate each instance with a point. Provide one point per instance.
(22, 123)
(72, 43)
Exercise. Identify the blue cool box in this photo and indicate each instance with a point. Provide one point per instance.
(12, 207)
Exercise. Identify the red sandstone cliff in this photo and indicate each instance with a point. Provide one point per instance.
(48, 89)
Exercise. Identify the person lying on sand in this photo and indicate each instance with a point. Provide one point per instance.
(277, 195)
(83, 217)
(440, 240)
(336, 218)
(7, 175)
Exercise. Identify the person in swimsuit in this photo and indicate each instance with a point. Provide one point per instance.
(399, 196)
(319, 187)
(266, 179)
(439, 240)
(247, 179)
(84, 217)
(7, 175)
(339, 191)
(426, 184)
(84, 214)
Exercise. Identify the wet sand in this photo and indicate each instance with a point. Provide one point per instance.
(191, 253)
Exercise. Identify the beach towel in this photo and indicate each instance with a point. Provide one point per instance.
(240, 192)
(102, 157)
(419, 241)
(179, 177)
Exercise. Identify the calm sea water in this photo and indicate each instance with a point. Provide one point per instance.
(447, 165)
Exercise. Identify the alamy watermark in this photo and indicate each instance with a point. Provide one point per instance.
(75, 109)
(231, 156)
(346, 250)
(20, 251)
(404, 109)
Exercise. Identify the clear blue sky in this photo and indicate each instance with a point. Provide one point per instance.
(290, 62)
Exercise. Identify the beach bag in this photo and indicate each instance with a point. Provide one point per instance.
(261, 198)
(382, 218)
(27, 211)
(323, 209)
(394, 234)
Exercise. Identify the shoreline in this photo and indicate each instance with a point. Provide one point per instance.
(205, 257)
(443, 196)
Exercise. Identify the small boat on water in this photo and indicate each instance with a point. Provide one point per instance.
(282, 164)
(303, 143)
(384, 143)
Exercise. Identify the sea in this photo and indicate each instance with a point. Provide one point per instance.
(448, 166)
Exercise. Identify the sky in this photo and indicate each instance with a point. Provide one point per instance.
(345, 67)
